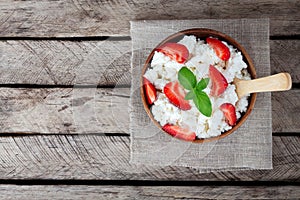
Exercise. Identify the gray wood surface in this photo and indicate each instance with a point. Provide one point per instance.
(284, 57)
(104, 63)
(100, 110)
(64, 110)
(107, 158)
(286, 111)
(75, 192)
(54, 116)
(97, 18)
(64, 62)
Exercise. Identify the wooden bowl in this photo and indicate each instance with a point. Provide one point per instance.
(202, 34)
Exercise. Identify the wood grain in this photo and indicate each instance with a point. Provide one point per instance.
(95, 157)
(283, 58)
(64, 110)
(111, 18)
(74, 192)
(286, 111)
(99, 110)
(64, 62)
(104, 63)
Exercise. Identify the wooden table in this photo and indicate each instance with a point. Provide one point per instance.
(64, 126)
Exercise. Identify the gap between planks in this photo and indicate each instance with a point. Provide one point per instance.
(116, 38)
(32, 182)
(78, 39)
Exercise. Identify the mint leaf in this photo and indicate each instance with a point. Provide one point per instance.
(203, 103)
(190, 95)
(202, 84)
(186, 78)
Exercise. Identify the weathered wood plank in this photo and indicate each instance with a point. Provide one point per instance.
(284, 57)
(64, 110)
(147, 192)
(94, 18)
(100, 110)
(64, 62)
(286, 111)
(107, 158)
(98, 62)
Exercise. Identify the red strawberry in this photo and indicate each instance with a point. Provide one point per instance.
(175, 51)
(219, 82)
(219, 47)
(229, 111)
(179, 132)
(176, 94)
(150, 91)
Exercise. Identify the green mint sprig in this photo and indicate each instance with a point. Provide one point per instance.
(188, 80)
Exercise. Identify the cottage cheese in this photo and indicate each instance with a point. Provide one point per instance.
(164, 70)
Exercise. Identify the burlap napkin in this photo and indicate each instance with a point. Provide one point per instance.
(250, 147)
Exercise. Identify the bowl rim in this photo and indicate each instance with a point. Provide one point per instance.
(203, 33)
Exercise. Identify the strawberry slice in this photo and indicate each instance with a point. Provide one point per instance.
(219, 47)
(176, 94)
(229, 111)
(179, 132)
(219, 82)
(175, 51)
(150, 91)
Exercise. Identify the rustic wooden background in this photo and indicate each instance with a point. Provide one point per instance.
(64, 124)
